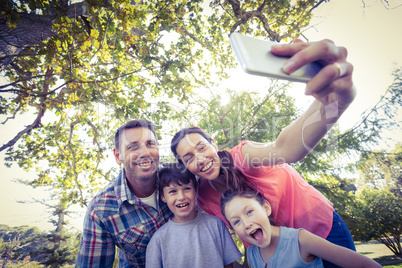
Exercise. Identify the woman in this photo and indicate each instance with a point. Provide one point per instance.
(264, 166)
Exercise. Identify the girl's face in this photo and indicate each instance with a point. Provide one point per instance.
(249, 219)
(199, 156)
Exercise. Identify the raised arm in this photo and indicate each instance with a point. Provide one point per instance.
(333, 91)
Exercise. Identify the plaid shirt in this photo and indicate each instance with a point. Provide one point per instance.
(115, 217)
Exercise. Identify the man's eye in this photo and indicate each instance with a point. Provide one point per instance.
(152, 143)
(133, 146)
(202, 147)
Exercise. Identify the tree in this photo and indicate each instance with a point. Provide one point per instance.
(81, 84)
(381, 169)
(17, 243)
(247, 115)
(380, 215)
(28, 244)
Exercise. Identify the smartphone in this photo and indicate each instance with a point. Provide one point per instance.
(256, 58)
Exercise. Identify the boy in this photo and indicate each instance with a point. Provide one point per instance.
(190, 238)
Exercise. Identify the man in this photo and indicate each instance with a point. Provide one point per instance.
(127, 211)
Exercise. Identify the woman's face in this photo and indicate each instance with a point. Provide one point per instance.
(199, 156)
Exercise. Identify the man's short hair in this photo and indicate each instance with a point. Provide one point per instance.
(132, 124)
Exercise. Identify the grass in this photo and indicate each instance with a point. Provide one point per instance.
(390, 261)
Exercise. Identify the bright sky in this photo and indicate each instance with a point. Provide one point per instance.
(372, 37)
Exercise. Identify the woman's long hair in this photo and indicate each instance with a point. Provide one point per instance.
(231, 177)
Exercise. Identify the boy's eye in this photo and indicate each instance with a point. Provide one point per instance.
(172, 191)
(249, 212)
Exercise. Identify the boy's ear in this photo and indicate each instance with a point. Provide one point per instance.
(163, 198)
(267, 207)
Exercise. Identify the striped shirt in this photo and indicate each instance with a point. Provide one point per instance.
(117, 218)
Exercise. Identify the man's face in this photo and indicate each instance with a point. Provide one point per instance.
(139, 154)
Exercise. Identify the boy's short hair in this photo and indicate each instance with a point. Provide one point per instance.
(175, 173)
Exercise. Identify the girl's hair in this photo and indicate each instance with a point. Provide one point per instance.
(245, 192)
(175, 173)
(230, 175)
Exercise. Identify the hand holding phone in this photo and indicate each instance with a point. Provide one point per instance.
(256, 58)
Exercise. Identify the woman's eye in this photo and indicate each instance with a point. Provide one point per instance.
(188, 159)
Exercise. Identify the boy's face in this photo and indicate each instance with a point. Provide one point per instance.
(249, 219)
(181, 200)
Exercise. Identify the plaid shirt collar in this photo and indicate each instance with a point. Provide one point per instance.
(123, 193)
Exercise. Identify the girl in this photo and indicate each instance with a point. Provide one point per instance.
(248, 212)
(264, 165)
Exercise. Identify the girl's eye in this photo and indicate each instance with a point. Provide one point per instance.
(236, 222)
(249, 212)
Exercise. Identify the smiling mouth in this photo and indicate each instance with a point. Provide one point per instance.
(207, 167)
(182, 205)
(144, 163)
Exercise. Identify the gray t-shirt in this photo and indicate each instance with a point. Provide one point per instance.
(203, 242)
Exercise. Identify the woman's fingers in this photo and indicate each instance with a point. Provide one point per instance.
(334, 81)
(302, 53)
(328, 75)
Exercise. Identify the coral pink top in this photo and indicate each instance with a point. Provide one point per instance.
(294, 202)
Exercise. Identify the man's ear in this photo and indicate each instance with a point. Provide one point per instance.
(117, 156)
(267, 208)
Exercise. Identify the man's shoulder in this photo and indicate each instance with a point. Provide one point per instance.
(105, 200)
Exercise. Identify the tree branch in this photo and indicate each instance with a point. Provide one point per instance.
(28, 129)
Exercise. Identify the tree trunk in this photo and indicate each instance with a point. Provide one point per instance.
(32, 30)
